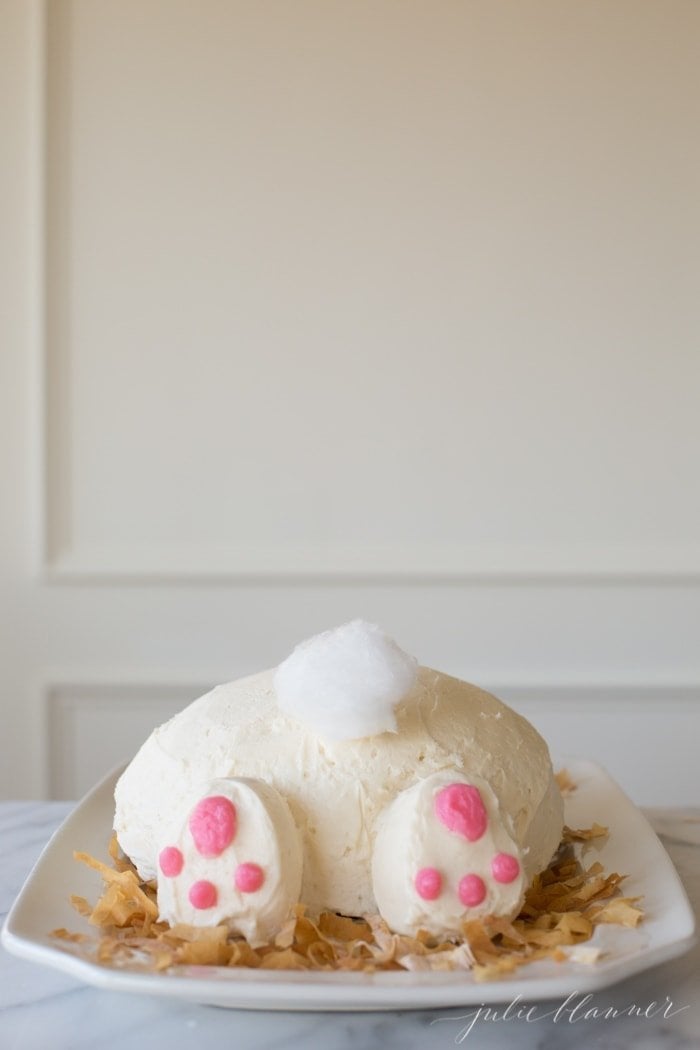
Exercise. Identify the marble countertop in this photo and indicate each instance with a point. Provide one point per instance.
(42, 1008)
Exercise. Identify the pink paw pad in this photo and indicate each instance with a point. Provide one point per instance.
(461, 809)
(471, 890)
(235, 856)
(428, 883)
(212, 825)
(444, 852)
(505, 867)
(248, 877)
(203, 894)
(171, 861)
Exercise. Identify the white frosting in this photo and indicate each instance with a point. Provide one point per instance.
(265, 835)
(410, 838)
(346, 682)
(336, 790)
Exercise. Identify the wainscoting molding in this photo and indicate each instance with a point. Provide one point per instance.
(633, 730)
(119, 560)
(91, 726)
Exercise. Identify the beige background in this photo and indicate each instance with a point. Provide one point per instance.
(314, 310)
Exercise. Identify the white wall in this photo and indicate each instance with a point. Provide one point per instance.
(326, 309)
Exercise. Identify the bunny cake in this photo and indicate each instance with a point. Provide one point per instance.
(349, 779)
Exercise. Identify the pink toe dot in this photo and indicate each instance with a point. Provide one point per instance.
(202, 894)
(471, 890)
(213, 825)
(428, 883)
(171, 861)
(504, 867)
(460, 808)
(249, 877)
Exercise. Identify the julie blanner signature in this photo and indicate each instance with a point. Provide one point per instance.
(575, 1008)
